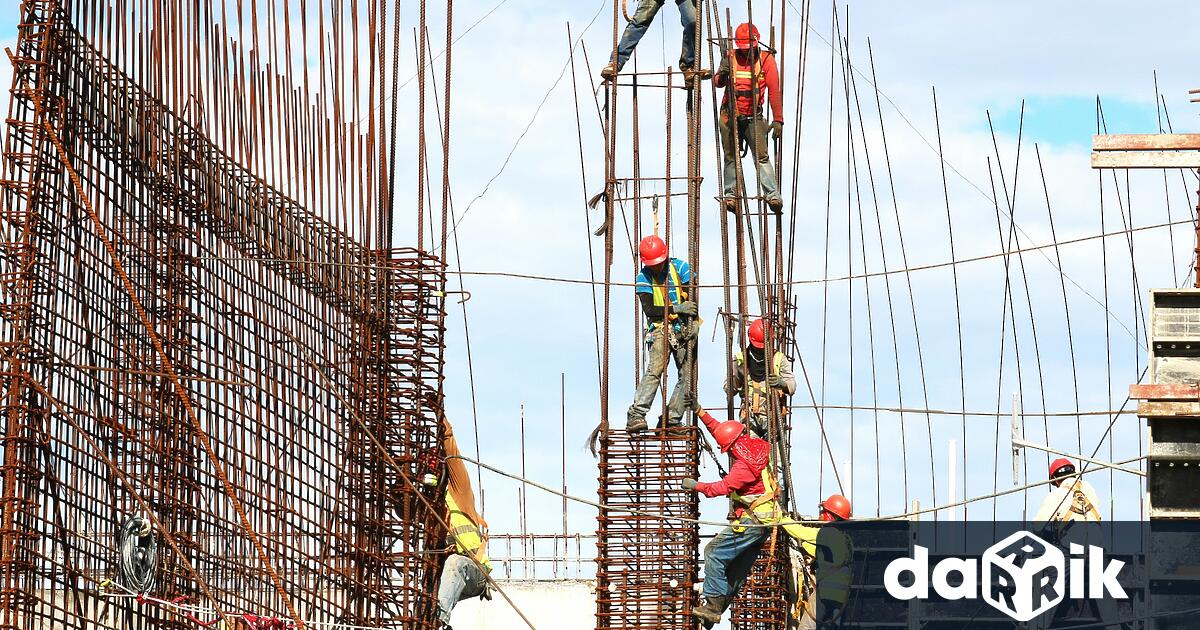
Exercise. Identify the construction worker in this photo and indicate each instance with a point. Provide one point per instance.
(729, 556)
(828, 552)
(464, 575)
(751, 75)
(1069, 516)
(662, 289)
(1072, 498)
(642, 18)
(753, 381)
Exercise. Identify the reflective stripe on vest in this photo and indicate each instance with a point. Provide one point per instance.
(467, 539)
(762, 507)
(660, 290)
(746, 80)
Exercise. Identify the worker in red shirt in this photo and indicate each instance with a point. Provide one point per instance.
(751, 74)
(729, 556)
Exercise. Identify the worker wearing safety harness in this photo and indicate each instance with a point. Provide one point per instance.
(1072, 498)
(1069, 516)
(729, 556)
(755, 383)
(827, 552)
(662, 289)
(464, 573)
(750, 74)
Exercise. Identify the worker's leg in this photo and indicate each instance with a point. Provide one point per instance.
(739, 569)
(642, 18)
(461, 579)
(762, 153)
(687, 17)
(720, 555)
(656, 363)
(729, 151)
(681, 396)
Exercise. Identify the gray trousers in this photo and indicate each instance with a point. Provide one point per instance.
(461, 579)
(656, 365)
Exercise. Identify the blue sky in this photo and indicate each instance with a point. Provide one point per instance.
(981, 58)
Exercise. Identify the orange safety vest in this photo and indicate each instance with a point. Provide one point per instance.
(747, 79)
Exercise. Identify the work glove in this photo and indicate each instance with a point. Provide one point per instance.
(689, 483)
(776, 381)
(777, 130)
(723, 70)
(685, 308)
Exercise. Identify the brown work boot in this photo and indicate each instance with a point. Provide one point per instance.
(776, 204)
(703, 74)
(610, 71)
(636, 425)
(710, 613)
(730, 203)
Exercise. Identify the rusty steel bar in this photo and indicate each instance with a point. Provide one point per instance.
(203, 249)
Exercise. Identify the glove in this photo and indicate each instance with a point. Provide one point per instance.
(776, 381)
(723, 70)
(685, 308)
(777, 130)
(689, 483)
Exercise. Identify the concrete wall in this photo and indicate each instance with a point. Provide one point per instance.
(561, 605)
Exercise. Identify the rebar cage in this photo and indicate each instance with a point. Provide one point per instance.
(182, 341)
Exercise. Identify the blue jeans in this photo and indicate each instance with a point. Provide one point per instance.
(729, 557)
(461, 579)
(752, 131)
(644, 16)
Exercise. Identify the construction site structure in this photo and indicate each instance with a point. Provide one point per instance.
(186, 342)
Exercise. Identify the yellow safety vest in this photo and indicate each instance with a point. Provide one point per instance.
(833, 552)
(763, 507)
(661, 295)
(468, 540)
(754, 393)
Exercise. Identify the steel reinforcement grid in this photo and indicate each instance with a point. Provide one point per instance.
(646, 566)
(164, 354)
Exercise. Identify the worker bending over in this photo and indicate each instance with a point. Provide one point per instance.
(464, 575)
(662, 289)
(750, 74)
(729, 556)
(828, 552)
(642, 18)
(755, 381)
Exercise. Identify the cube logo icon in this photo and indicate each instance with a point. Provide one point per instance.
(1022, 576)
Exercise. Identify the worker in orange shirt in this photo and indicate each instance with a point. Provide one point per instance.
(749, 75)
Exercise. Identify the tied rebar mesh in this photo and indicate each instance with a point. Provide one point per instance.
(647, 566)
(296, 372)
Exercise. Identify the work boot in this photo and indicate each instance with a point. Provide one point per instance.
(677, 427)
(710, 613)
(636, 425)
(610, 71)
(776, 204)
(730, 203)
(704, 74)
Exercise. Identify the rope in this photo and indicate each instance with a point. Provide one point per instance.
(681, 519)
(138, 553)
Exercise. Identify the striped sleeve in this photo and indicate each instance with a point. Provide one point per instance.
(684, 270)
(642, 284)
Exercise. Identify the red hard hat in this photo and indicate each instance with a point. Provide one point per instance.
(746, 36)
(727, 433)
(1059, 464)
(653, 250)
(838, 506)
(757, 333)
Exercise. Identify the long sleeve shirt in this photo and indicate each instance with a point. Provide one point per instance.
(766, 83)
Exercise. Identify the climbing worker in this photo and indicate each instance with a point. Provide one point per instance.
(750, 74)
(642, 18)
(1072, 498)
(729, 556)
(662, 289)
(828, 552)
(753, 382)
(464, 575)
